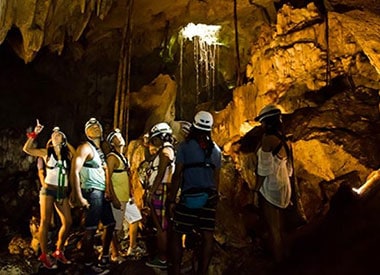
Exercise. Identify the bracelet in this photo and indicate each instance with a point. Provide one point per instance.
(31, 135)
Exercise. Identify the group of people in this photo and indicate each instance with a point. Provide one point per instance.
(181, 196)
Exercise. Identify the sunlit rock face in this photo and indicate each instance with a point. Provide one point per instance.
(289, 64)
(335, 127)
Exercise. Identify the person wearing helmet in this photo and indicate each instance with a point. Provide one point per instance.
(57, 157)
(272, 191)
(118, 171)
(92, 192)
(162, 163)
(198, 164)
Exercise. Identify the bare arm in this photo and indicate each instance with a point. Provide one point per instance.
(164, 162)
(71, 149)
(268, 144)
(35, 152)
(112, 163)
(83, 152)
(176, 182)
(28, 146)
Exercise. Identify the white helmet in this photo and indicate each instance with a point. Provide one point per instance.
(185, 127)
(112, 134)
(91, 122)
(160, 129)
(203, 121)
(268, 111)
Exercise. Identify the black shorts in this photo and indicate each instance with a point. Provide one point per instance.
(186, 220)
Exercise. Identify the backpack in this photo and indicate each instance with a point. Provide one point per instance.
(147, 169)
(154, 163)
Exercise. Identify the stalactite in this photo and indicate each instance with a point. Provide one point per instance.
(205, 45)
(98, 6)
(92, 5)
(196, 63)
(83, 6)
(79, 31)
(3, 21)
(104, 8)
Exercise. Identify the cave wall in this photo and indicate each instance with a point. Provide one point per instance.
(335, 127)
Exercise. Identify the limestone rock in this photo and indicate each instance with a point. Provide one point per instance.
(155, 102)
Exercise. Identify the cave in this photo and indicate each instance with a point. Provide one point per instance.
(132, 64)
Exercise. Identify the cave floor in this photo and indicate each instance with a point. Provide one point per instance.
(345, 241)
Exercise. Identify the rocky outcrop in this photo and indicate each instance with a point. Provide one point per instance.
(47, 23)
(334, 122)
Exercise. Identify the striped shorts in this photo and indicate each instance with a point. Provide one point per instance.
(186, 220)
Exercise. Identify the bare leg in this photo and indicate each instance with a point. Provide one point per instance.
(274, 220)
(133, 230)
(107, 238)
(88, 245)
(64, 213)
(207, 249)
(115, 245)
(175, 248)
(46, 211)
(162, 244)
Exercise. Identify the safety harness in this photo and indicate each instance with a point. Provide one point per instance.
(163, 195)
(62, 168)
(123, 159)
(101, 155)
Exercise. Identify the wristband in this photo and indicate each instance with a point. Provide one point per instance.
(31, 135)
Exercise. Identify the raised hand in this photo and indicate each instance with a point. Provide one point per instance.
(38, 127)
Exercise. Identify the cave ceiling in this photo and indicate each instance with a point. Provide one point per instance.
(29, 26)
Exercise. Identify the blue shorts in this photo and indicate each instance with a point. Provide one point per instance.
(53, 193)
(100, 209)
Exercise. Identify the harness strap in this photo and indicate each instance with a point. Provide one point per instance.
(282, 143)
(61, 181)
(91, 165)
(155, 168)
(277, 149)
(163, 211)
(119, 170)
(199, 164)
(121, 158)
